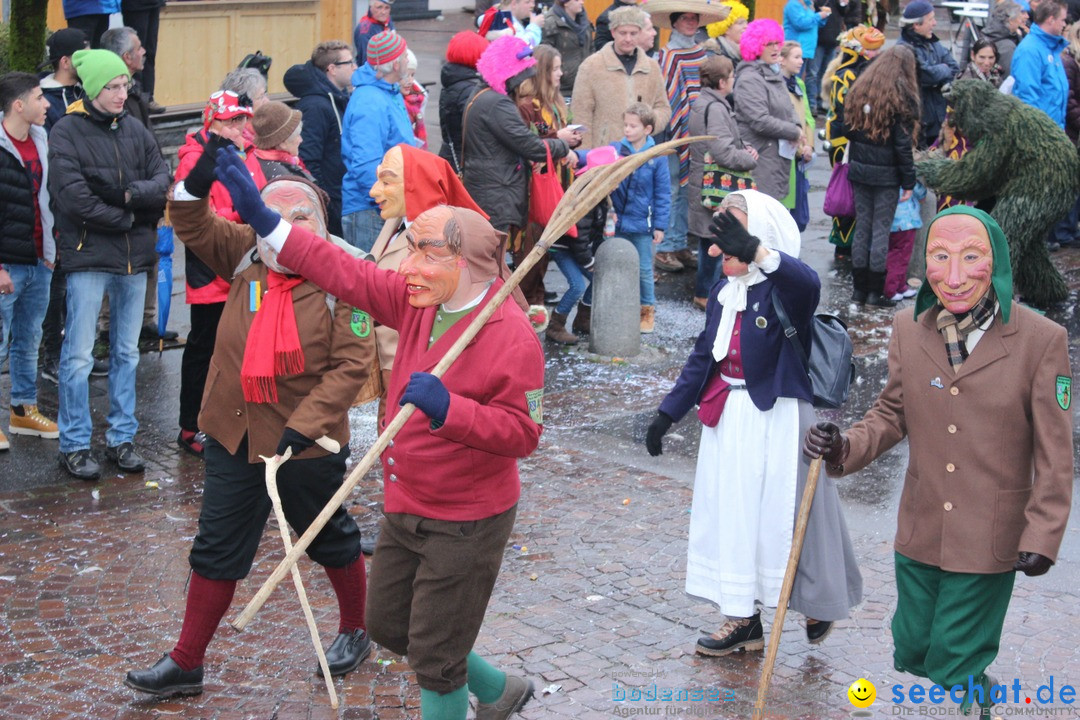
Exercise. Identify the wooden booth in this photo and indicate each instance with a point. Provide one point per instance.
(200, 41)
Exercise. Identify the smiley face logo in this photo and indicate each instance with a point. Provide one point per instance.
(862, 693)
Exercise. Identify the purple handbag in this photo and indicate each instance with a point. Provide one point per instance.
(839, 197)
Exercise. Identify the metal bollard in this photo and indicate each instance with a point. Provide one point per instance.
(616, 300)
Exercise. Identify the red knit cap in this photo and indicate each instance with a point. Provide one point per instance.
(385, 47)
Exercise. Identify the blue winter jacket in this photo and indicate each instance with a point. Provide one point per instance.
(77, 8)
(1039, 74)
(801, 24)
(649, 188)
(375, 121)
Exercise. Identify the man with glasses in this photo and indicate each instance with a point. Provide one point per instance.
(323, 85)
(107, 182)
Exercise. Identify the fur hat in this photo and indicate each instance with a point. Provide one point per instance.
(97, 68)
(757, 35)
(273, 124)
(385, 47)
(465, 48)
(505, 59)
(738, 12)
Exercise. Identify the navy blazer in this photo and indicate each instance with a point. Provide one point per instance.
(771, 367)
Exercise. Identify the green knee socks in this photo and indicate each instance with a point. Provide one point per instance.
(485, 682)
(451, 706)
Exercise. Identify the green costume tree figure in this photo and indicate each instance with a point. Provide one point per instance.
(26, 36)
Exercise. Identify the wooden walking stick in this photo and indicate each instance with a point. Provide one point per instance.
(789, 581)
(584, 194)
(272, 465)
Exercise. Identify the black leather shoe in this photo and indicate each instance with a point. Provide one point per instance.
(346, 652)
(166, 679)
(125, 457)
(733, 636)
(150, 332)
(818, 631)
(80, 464)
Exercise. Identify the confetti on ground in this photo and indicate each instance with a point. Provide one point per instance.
(551, 689)
(151, 483)
(626, 501)
(534, 576)
(96, 494)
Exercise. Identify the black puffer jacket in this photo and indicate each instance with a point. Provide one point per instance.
(17, 201)
(497, 149)
(885, 163)
(87, 147)
(458, 84)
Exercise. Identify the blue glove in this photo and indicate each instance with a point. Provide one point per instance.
(234, 175)
(429, 395)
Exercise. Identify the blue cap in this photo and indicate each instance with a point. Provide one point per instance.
(917, 9)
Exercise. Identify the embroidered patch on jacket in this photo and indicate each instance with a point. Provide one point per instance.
(360, 323)
(535, 401)
(1064, 391)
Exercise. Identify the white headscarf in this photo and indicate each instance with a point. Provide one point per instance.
(772, 224)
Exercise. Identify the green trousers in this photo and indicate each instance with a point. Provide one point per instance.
(947, 625)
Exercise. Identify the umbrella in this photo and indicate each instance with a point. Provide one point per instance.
(164, 280)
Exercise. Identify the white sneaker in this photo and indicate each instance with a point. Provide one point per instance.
(898, 297)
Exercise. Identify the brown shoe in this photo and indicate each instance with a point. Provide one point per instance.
(667, 261)
(26, 420)
(556, 330)
(701, 303)
(687, 258)
(583, 319)
(517, 692)
(648, 318)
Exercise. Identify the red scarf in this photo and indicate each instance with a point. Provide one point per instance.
(273, 343)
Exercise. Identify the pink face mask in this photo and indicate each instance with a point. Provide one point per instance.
(959, 262)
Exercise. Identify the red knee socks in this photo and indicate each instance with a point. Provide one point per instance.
(350, 585)
(207, 603)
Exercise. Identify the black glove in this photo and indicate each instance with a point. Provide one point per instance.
(201, 177)
(732, 238)
(429, 395)
(825, 441)
(111, 194)
(1032, 564)
(654, 436)
(292, 439)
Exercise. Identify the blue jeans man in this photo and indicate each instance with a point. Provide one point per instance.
(85, 291)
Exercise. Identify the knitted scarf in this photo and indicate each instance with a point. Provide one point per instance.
(579, 24)
(957, 328)
(273, 343)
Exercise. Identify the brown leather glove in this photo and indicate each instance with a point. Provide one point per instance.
(824, 440)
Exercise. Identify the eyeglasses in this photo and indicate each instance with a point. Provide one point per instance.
(350, 61)
(117, 87)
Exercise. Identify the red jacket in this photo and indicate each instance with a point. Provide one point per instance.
(466, 469)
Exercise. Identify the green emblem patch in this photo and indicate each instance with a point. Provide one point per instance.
(360, 323)
(535, 400)
(1064, 392)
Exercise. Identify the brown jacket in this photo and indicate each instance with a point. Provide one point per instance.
(990, 471)
(603, 91)
(338, 348)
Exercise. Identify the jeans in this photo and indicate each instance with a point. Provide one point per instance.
(709, 268)
(361, 228)
(576, 277)
(812, 73)
(675, 235)
(22, 312)
(85, 291)
(644, 244)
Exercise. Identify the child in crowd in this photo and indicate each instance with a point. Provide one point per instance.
(415, 97)
(642, 202)
(905, 224)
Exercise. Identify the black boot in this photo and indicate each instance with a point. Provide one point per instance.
(166, 679)
(346, 652)
(876, 291)
(858, 285)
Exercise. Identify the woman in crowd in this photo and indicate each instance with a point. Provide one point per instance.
(753, 398)
(277, 141)
(798, 200)
(459, 80)
(1003, 30)
(882, 121)
(724, 36)
(568, 30)
(983, 63)
(712, 115)
(250, 86)
(767, 121)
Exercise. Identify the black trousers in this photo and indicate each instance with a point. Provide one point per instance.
(52, 328)
(235, 507)
(93, 25)
(195, 363)
(145, 24)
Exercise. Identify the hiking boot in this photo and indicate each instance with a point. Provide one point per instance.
(80, 464)
(125, 457)
(667, 261)
(517, 692)
(687, 258)
(166, 679)
(742, 634)
(583, 319)
(346, 652)
(557, 332)
(26, 420)
(648, 318)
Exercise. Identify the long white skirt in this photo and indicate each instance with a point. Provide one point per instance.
(742, 516)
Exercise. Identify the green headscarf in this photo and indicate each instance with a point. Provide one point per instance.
(1001, 276)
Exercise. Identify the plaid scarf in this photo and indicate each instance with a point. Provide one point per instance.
(956, 329)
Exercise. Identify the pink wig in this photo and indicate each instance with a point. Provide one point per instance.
(757, 35)
(505, 57)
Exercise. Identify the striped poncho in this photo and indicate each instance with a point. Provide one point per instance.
(681, 69)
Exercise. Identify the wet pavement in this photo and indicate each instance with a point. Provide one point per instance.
(589, 604)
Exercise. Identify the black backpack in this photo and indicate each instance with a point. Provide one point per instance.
(829, 366)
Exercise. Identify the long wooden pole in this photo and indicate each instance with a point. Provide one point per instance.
(584, 194)
(789, 581)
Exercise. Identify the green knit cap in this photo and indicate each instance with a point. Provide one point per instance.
(1000, 278)
(96, 68)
